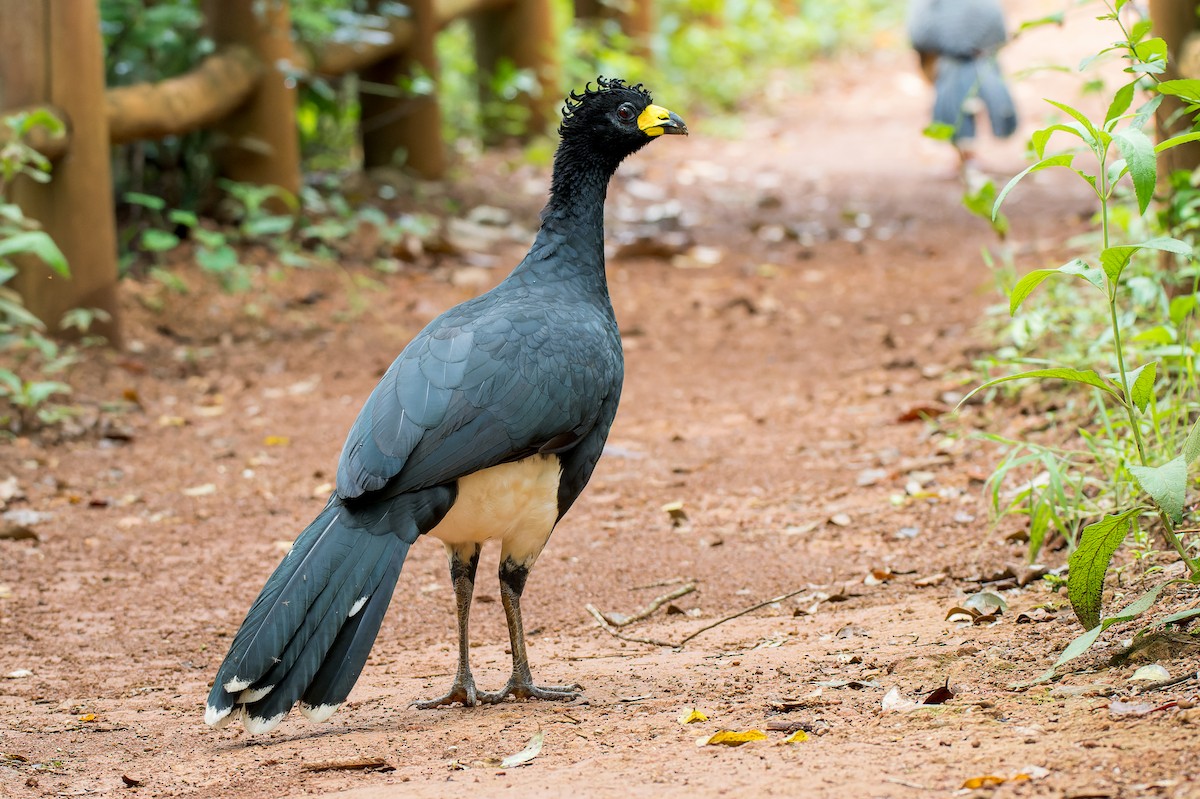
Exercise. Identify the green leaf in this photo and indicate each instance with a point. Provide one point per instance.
(1074, 649)
(267, 225)
(1175, 141)
(1182, 615)
(1191, 445)
(1050, 19)
(1140, 28)
(1026, 285)
(1187, 90)
(1114, 259)
(1138, 152)
(181, 217)
(9, 383)
(155, 240)
(145, 200)
(38, 244)
(221, 259)
(1085, 376)
(1141, 384)
(940, 131)
(1079, 117)
(1181, 306)
(1122, 99)
(37, 393)
(1041, 138)
(1062, 159)
(1150, 55)
(979, 202)
(1084, 270)
(1167, 484)
(1088, 564)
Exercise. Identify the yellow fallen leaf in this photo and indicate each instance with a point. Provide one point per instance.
(88, 717)
(690, 715)
(531, 750)
(277, 441)
(731, 738)
(986, 781)
(798, 737)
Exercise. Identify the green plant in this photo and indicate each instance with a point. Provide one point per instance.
(1141, 446)
(33, 360)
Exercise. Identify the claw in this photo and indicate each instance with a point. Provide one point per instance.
(462, 693)
(527, 690)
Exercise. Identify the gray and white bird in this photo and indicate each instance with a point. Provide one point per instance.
(486, 427)
(957, 41)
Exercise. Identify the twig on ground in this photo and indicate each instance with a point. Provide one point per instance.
(918, 786)
(614, 632)
(647, 611)
(662, 583)
(356, 764)
(750, 609)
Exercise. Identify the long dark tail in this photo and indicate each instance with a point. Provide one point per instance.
(960, 80)
(308, 634)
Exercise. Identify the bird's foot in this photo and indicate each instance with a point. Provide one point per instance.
(526, 689)
(462, 692)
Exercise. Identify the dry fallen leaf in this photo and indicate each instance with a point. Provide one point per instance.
(675, 512)
(939, 696)
(1152, 672)
(731, 738)
(88, 717)
(798, 737)
(531, 750)
(986, 602)
(690, 715)
(895, 702)
(1024, 774)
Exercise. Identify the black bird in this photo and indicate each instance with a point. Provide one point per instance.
(957, 41)
(487, 426)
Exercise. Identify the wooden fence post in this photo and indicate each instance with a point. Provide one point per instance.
(1174, 20)
(635, 18)
(522, 34)
(55, 55)
(260, 141)
(394, 122)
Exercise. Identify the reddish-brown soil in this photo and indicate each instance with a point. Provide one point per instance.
(759, 390)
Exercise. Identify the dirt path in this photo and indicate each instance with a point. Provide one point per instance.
(763, 390)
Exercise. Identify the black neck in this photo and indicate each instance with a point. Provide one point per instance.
(574, 216)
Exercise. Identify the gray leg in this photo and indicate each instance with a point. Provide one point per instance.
(463, 561)
(520, 684)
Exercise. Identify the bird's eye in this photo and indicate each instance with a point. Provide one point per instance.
(625, 112)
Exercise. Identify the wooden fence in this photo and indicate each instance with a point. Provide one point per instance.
(51, 56)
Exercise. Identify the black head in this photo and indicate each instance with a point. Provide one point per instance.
(614, 120)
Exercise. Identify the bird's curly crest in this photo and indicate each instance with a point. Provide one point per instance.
(603, 86)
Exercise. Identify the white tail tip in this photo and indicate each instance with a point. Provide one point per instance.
(318, 713)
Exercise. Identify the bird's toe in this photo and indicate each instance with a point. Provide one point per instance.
(459, 694)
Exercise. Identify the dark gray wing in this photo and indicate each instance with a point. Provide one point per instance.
(959, 28)
(487, 382)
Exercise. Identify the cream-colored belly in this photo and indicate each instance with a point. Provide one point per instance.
(516, 503)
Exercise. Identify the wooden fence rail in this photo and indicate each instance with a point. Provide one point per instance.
(243, 91)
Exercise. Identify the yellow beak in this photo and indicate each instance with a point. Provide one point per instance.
(656, 120)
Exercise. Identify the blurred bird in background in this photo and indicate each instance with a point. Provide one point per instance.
(957, 41)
